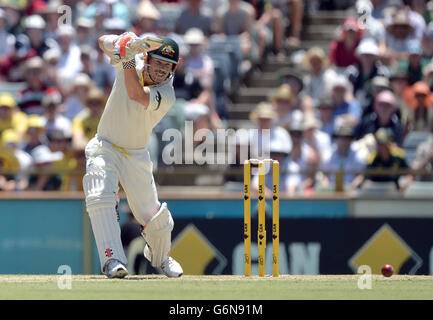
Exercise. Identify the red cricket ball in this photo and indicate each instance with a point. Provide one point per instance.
(387, 270)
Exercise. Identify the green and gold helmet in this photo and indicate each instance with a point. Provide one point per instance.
(168, 51)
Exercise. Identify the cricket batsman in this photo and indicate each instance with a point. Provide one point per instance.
(141, 95)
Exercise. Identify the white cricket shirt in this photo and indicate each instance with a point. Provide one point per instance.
(128, 124)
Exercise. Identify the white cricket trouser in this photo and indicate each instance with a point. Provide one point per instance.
(106, 166)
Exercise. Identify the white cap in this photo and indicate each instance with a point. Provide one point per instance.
(297, 121)
(84, 23)
(115, 24)
(35, 22)
(193, 111)
(53, 53)
(280, 143)
(340, 80)
(194, 36)
(65, 30)
(367, 46)
(43, 154)
(146, 9)
(82, 79)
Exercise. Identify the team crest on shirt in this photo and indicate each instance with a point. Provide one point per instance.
(158, 99)
(168, 51)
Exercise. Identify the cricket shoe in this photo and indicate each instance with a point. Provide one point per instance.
(115, 269)
(171, 268)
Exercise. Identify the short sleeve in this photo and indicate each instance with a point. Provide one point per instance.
(161, 97)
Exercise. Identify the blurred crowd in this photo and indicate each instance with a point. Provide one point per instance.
(362, 102)
(54, 80)
(358, 113)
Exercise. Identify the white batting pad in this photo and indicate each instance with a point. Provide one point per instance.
(157, 235)
(106, 231)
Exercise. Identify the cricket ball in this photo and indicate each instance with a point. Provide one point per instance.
(387, 270)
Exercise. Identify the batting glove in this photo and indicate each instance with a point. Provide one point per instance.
(145, 44)
(122, 50)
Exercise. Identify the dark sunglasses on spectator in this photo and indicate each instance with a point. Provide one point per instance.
(296, 133)
(385, 104)
(95, 103)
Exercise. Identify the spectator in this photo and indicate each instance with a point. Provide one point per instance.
(35, 29)
(326, 108)
(264, 116)
(399, 32)
(427, 75)
(201, 67)
(296, 13)
(86, 122)
(108, 8)
(45, 179)
(424, 157)
(51, 15)
(419, 114)
(198, 63)
(35, 134)
(194, 17)
(420, 7)
(98, 15)
(235, 181)
(11, 117)
(147, 17)
(373, 88)
(415, 62)
(88, 60)
(104, 74)
(199, 114)
(7, 39)
(372, 27)
(13, 14)
(383, 116)
(289, 181)
(347, 107)
(115, 26)
(60, 140)
(342, 50)
(51, 59)
(415, 19)
(73, 180)
(185, 85)
(298, 99)
(236, 20)
(17, 161)
(368, 67)
(30, 99)
(389, 157)
(319, 74)
(69, 62)
(303, 159)
(346, 157)
(52, 117)
(79, 89)
(280, 100)
(12, 66)
(270, 26)
(427, 43)
(319, 141)
(84, 27)
(399, 81)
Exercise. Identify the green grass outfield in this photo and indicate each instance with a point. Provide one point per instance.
(158, 287)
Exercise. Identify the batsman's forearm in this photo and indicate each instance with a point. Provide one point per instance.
(134, 88)
(106, 43)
